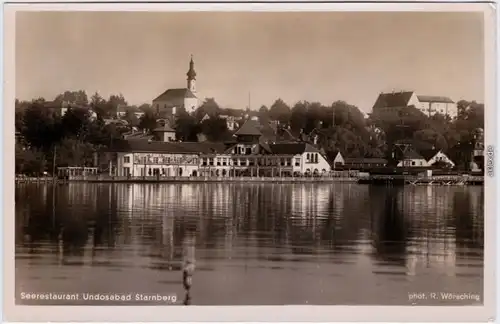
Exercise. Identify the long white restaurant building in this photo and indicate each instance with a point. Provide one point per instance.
(249, 154)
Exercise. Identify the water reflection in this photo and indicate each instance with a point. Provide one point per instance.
(279, 244)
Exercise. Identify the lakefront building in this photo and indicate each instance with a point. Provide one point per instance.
(250, 154)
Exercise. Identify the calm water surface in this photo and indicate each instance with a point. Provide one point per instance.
(267, 244)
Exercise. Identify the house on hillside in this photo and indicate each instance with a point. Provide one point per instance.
(429, 105)
(164, 133)
(169, 102)
(411, 158)
(338, 160)
(437, 157)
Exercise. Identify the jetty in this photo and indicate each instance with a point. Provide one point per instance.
(415, 180)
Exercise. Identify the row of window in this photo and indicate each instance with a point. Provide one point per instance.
(166, 160)
(249, 162)
(312, 158)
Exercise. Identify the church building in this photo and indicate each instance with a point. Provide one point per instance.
(170, 101)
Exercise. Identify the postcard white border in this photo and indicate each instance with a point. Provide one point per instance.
(17, 313)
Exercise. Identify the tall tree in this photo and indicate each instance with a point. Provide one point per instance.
(280, 111)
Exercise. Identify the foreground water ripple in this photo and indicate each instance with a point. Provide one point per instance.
(268, 244)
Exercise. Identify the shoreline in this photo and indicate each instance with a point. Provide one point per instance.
(371, 180)
(191, 180)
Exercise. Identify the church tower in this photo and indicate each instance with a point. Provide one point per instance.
(191, 77)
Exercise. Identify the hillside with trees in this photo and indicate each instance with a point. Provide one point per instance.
(337, 127)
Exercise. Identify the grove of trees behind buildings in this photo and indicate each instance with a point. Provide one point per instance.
(337, 127)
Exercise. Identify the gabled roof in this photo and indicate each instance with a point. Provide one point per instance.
(395, 99)
(174, 95)
(292, 148)
(429, 154)
(411, 154)
(434, 99)
(250, 127)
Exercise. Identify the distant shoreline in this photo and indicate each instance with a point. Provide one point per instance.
(375, 180)
(153, 179)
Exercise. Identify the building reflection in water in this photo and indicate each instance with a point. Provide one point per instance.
(152, 227)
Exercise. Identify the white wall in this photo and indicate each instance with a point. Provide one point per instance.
(442, 108)
(170, 164)
(413, 163)
(190, 104)
(308, 160)
(413, 100)
(440, 156)
(338, 159)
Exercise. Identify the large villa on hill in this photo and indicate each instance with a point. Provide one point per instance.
(429, 105)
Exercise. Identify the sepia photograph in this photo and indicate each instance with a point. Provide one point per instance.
(250, 158)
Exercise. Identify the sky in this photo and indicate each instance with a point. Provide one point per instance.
(244, 58)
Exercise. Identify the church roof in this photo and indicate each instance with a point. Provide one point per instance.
(395, 99)
(174, 95)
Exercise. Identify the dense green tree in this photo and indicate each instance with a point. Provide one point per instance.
(215, 129)
(148, 121)
(186, 128)
(280, 111)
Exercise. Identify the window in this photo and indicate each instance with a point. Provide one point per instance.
(307, 157)
(126, 171)
(211, 161)
(126, 159)
(224, 161)
(412, 162)
(155, 160)
(235, 162)
(297, 162)
(248, 151)
(218, 161)
(204, 161)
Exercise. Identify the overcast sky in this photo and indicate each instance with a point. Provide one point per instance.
(321, 57)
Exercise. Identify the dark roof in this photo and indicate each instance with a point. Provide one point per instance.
(396, 99)
(165, 128)
(412, 154)
(434, 99)
(428, 154)
(166, 147)
(292, 148)
(365, 160)
(175, 96)
(268, 131)
(137, 136)
(250, 127)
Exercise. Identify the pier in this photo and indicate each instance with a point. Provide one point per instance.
(447, 180)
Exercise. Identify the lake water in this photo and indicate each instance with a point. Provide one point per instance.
(253, 244)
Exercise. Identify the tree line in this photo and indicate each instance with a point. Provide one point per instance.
(50, 139)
